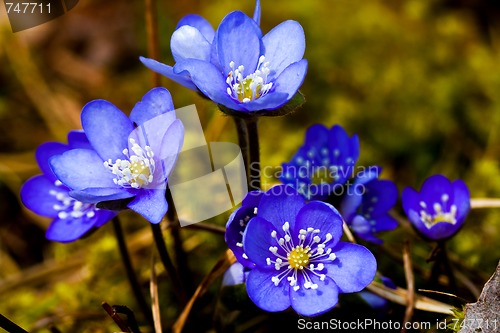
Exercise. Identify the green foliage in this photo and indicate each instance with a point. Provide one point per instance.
(458, 314)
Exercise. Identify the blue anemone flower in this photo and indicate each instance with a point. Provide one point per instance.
(366, 204)
(45, 195)
(299, 259)
(237, 66)
(324, 162)
(439, 210)
(237, 223)
(130, 159)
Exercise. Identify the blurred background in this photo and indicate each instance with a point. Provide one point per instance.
(418, 81)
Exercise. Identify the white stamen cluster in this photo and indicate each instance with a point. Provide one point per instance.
(69, 207)
(250, 87)
(137, 170)
(305, 256)
(441, 213)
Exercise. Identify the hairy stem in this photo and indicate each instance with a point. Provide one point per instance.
(132, 278)
(167, 263)
(254, 153)
(242, 131)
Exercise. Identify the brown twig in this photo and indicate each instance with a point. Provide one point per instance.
(155, 304)
(152, 37)
(410, 284)
(116, 318)
(399, 296)
(207, 227)
(220, 267)
(484, 203)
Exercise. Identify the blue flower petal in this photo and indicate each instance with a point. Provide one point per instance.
(171, 144)
(353, 269)
(238, 41)
(156, 102)
(107, 129)
(440, 230)
(381, 196)
(270, 101)
(102, 216)
(209, 81)
(81, 168)
(43, 154)
(188, 42)
(233, 235)
(98, 194)
(313, 302)
(316, 136)
(434, 187)
(165, 70)
(35, 195)
(360, 225)
(234, 275)
(151, 204)
(199, 23)
(257, 240)
(69, 229)
(280, 204)
(350, 203)
(284, 45)
(252, 199)
(264, 293)
(322, 216)
(78, 139)
(385, 223)
(290, 80)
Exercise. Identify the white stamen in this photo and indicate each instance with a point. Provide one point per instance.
(250, 87)
(137, 170)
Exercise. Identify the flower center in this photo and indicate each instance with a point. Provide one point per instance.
(305, 257)
(441, 214)
(137, 170)
(69, 207)
(299, 257)
(250, 87)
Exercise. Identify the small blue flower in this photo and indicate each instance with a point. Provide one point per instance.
(324, 162)
(130, 159)
(237, 66)
(47, 196)
(299, 259)
(237, 223)
(366, 204)
(439, 210)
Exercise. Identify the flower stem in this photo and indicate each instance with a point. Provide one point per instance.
(242, 130)
(10, 326)
(167, 262)
(254, 153)
(441, 265)
(132, 278)
(180, 255)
